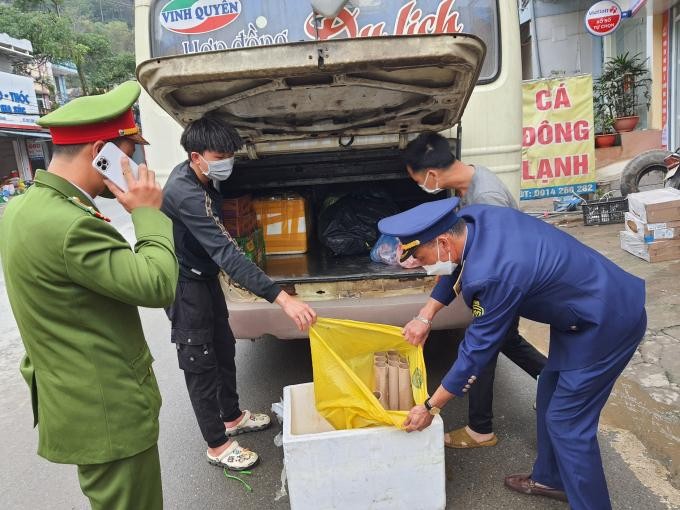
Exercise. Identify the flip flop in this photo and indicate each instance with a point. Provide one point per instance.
(251, 422)
(460, 439)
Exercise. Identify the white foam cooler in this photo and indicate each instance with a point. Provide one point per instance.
(371, 468)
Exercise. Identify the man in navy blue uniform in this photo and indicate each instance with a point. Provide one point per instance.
(505, 264)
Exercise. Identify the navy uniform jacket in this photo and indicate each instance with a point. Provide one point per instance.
(515, 264)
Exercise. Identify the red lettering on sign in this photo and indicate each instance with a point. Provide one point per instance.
(560, 166)
(543, 102)
(344, 24)
(544, 99)
(562, 98)
(409, 21)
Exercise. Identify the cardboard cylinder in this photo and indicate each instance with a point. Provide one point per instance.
(380, 383)
(405, 392)
(393, 386)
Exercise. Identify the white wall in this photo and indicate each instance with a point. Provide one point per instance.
(5, 64)
(565, 45)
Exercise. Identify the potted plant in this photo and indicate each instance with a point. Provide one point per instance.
(605, 134)
(622, 89)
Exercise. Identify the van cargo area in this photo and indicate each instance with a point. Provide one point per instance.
(321, 118)
(316, 176)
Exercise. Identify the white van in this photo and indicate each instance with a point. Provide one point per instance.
(330, 115)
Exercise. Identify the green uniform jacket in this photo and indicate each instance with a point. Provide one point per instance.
(74, 286)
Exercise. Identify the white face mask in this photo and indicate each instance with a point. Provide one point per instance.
(441, 268)
(219, 170)
(424, 187)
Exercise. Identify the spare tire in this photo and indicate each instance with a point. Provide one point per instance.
(641, 166)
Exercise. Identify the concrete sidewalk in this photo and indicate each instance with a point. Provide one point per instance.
(646, 399)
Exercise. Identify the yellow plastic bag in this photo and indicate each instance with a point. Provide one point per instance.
(342, 359)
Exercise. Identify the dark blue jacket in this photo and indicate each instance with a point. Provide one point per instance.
(515, 264)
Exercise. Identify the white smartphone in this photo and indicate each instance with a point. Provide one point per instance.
(108, 164)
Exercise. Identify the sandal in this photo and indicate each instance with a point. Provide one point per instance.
(460, 439)
(234, 458)
(249, 423)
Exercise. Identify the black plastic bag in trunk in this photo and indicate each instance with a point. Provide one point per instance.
(349, 226)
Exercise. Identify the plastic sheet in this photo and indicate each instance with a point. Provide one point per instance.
(385, 250)
(349, 225)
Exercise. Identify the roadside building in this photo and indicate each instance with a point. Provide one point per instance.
(24, 146)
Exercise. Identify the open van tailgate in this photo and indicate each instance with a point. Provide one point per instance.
(316, 89)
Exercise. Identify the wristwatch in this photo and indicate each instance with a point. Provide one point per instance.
(433, 410)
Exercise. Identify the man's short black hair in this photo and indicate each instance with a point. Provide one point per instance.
(210, 133)
(429, 150)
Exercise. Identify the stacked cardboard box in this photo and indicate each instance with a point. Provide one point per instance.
(653, 225)
(239, 216)
(284, 220)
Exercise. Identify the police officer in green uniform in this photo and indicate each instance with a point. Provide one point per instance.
(74, 285)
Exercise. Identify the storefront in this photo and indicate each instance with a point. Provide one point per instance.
(674, 79)
(24, 146)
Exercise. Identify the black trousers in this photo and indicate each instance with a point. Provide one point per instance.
(205, 350)
(522, 354)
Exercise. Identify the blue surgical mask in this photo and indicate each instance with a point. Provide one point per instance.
(219, 170)
(424, 187)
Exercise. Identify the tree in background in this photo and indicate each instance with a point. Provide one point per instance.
(67, 31)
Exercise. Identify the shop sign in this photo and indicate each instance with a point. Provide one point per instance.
(603, 18)
(35, 150)
(198, 16)
(558, 152)
(263, 23)
(18, 102)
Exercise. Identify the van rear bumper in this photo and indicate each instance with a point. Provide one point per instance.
(254, 320)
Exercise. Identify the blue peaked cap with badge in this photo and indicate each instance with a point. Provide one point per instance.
(421, 224)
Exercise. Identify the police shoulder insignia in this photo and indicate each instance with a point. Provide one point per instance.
(76, 201)
(477, 308)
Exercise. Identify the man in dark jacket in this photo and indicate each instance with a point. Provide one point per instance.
(200, 329)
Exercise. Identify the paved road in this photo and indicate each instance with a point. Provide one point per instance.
(474, 478)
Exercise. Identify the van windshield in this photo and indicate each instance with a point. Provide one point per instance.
(180, 27)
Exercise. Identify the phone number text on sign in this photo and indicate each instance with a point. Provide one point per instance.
(557, 191)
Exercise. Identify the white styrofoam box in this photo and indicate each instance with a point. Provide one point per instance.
(656, 205)
(377, 468)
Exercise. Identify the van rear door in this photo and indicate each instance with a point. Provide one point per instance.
(350, 87)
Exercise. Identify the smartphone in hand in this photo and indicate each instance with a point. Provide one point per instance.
(107, 163)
